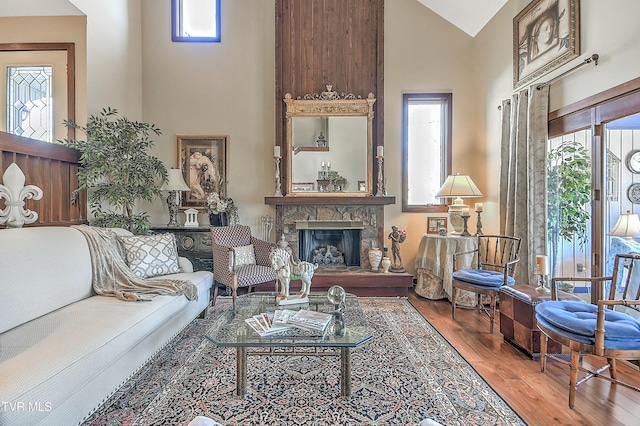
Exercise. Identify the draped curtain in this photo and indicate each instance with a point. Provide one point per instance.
(523, 176)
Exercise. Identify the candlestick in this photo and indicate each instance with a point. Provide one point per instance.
(278, 192)
(276, 151)
(380, 189)
(380, 151)
(479, 207)
(542, 269)
(479, 224)
(465, 218)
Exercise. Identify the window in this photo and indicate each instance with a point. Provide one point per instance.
(195, 20)
(29, 102)
(426, 150)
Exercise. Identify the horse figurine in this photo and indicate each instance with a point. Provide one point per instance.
(284, 266)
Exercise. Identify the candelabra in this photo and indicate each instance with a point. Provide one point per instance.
(278, 192)
(380, 187)
(479, 225)
(465, 230)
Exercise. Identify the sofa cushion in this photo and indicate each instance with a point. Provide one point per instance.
(151, 255)
(245, 255)
(482, 277)
(577, 320)
(41, 269)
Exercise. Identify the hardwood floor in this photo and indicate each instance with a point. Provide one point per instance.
(539, 398)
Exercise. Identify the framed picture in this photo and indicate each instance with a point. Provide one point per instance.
(303, 187)
(435, 223)
(546, 35)
(203, 161)
(362, 186)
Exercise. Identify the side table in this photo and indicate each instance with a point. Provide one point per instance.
(434, 263)
(193, 243)
(518, 318)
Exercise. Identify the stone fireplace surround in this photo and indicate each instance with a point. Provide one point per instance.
(367, 210)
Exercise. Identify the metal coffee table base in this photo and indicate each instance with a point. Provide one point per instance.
(345, 366)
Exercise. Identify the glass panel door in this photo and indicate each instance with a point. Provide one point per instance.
(569, 187)
(622, 177)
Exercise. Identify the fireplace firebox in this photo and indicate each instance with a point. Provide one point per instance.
(330, 247)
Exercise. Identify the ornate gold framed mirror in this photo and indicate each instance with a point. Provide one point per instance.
(329, 144)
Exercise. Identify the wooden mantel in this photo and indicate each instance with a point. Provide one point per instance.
(329, 200)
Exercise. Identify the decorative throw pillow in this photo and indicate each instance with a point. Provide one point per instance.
(151, 255)
(245, 255)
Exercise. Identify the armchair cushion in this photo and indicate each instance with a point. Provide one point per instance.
(151, 255)
(245, 255)
(577, 320)
(482, 277)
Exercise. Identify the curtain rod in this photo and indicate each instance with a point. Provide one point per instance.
(593, 58)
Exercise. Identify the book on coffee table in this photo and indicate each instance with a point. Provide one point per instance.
(310, 320)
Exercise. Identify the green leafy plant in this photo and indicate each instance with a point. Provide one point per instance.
(336, 178)
(116, 168)
(569, 194)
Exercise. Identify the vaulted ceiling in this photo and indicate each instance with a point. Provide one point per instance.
(468, 15)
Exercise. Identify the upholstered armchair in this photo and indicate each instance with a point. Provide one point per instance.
(607, 328)
(239, 259)
(496, 257)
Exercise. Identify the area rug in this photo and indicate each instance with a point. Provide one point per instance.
(408, 372)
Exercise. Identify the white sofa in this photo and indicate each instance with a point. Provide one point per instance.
(63, 349)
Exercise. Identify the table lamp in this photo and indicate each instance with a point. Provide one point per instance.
(627, 226)
(458, 186)
(174, 184)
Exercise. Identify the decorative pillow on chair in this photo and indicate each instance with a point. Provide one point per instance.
(245, 255)
(151, 255)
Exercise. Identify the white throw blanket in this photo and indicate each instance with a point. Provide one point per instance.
(112, 276)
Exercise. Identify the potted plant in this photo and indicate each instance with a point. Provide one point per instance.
(569, 193)
(116, 168)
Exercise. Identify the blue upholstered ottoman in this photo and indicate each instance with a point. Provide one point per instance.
(577, 321)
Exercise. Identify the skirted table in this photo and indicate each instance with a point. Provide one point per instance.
(434, 266)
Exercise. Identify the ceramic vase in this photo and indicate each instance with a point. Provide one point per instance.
(385, 263)
(375, 256)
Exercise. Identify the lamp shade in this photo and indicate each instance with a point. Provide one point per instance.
(175, 182)
(458, 186)
(627, 226)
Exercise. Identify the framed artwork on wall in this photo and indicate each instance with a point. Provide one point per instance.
(203, 161)
(546, 35)
(435, 223)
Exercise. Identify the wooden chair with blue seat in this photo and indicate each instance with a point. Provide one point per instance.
(609, 328)
(496, 257)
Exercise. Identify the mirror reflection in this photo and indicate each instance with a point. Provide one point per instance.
(329, 144)
(329, 154)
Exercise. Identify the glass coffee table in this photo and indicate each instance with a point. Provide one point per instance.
(347, 330)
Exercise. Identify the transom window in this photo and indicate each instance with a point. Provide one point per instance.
(195, 20)
(29, 102)
(426, 150)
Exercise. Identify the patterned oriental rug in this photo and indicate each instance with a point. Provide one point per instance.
(406, 373)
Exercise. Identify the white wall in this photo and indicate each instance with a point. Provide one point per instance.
(114, 57)
(424, 53)
(216, 88)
